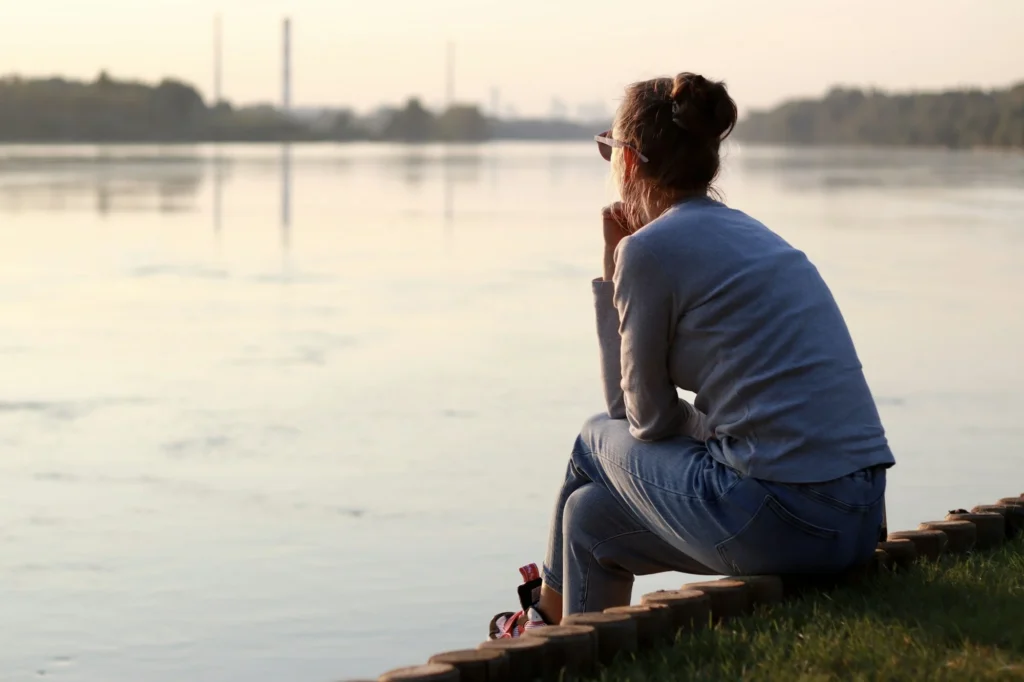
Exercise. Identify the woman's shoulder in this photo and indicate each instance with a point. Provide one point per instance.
(705, 223)
(708, 212)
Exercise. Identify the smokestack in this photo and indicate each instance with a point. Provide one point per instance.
(286, 84)
(216, 60)
(450, 80)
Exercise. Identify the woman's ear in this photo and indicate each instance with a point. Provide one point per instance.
(629, 156)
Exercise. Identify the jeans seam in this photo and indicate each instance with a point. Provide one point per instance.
(720, 547)
(590, 560)
(831, 501)
(660, 487)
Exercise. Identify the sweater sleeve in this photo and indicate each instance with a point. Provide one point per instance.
(643, 305)
(609, 347)
(645, 302)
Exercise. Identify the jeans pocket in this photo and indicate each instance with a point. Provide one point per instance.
(775, 540)
(858, 492)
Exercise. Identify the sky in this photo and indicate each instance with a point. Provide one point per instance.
(362, 54)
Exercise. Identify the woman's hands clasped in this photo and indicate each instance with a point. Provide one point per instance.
(615, 230)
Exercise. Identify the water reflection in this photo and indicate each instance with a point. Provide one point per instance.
(218, 191)
(104, 180)
(839, 169)
(449, 199)
(286, 197)
(110, 180)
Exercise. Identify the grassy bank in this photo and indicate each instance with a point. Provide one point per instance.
(960, 619)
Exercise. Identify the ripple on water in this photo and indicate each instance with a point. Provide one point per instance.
(190, 447)
(178, 271)
(64, 410)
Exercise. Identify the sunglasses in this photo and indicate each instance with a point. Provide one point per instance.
(605, 142)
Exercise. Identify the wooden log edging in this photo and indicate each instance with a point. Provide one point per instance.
(576, 649)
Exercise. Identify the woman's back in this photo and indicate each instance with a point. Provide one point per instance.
(757, 335)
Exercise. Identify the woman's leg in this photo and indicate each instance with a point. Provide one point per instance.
(629, 507)
(605, 547)
(598, 542)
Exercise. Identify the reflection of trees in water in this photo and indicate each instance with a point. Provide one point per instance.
(106, 181)
(450, 165)
(111, 179)
(462, 166)
(852, 168)
(414, 166)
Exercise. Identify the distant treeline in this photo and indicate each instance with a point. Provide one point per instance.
(108, 110)
(955, 119)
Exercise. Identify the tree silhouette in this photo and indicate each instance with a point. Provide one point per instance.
(955, 119)
(411, 124)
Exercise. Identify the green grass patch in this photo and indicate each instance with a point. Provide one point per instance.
(959, 619)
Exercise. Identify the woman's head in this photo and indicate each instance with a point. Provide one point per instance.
(677, 126)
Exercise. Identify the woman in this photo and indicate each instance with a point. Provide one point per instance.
(779, 466)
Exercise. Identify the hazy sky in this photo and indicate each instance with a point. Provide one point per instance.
(363, 53)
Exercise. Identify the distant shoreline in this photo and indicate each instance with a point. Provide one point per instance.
(954, 119)
(57, 111)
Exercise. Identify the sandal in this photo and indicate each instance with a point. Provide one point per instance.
(510, 624)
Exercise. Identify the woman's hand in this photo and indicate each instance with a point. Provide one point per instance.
(615, 230)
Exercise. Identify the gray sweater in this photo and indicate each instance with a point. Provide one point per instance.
(707, 299)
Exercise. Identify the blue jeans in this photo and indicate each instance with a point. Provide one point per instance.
(629, 508)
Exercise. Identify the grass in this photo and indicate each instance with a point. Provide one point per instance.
(958, 619)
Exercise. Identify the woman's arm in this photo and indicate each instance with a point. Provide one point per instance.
(615, 231)
(644, 301)
(609, 345)
(644, 292)
(692, 422)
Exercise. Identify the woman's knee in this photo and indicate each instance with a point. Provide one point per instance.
(601, 432)
(596, 425)
(592, 515)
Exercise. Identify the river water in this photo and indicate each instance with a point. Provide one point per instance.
(300, 413)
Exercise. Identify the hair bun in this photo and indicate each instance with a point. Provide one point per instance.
(702, 107)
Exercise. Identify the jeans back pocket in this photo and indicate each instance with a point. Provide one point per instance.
(775, 540)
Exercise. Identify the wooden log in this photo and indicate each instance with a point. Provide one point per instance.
(476, 665)
(990, 527)
(762, 589)
(1012, 501)
(653, 623)
(883, 563)
(432, 672)
(526, 660)
(571, 649)
(930, 544)
(796, 584)
(902, 552)
(729, 598)
(1014, 512)
(962, 534)
(689, 610)
(1014, 517)
(877, 564)
(616, 633)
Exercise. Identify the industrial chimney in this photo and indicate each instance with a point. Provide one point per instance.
(286, 84)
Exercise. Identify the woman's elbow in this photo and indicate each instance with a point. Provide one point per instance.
(650, 431)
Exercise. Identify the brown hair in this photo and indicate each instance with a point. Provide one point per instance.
(678, 125)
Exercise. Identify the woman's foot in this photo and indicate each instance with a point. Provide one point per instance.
(514, 624)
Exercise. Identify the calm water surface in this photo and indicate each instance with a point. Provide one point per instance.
(299, 414)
